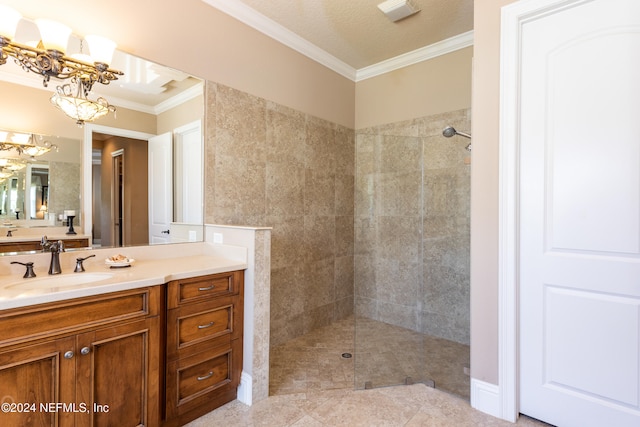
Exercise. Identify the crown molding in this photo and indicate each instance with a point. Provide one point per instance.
(270, 28)
(422, 54)
(182, 97)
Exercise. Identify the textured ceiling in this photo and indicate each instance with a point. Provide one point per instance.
(359, 34)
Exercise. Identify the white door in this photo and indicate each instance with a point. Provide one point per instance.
(579, 259)
(189, 178)
(160, 188)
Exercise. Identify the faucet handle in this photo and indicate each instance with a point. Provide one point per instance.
(29, 273)
(11, 231)
(79, 266)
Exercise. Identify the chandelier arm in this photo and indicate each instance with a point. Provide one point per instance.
(53, 63)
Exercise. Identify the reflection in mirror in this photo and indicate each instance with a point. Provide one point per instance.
(35, 189)
(146, 188)
(151, 101)
(153, 185)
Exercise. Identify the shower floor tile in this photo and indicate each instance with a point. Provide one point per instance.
(386, 355)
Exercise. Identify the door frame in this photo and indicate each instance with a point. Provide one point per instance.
(117, 198)
(505, 404)
(89, 129)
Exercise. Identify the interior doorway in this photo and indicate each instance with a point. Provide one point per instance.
(117, 194)
(119, 199)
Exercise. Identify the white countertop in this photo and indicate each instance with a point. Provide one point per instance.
(154, 265)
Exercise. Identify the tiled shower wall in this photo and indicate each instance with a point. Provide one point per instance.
(412, 225)
(65, 177)
(268, 165)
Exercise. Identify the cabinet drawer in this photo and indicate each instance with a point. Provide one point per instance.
(194, 381)
(194, 327)
(33, 322)
(201, 288)
(76, 243)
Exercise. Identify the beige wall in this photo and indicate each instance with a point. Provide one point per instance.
(431, 87)
(181, 115)
(484, 191)
(211, 45)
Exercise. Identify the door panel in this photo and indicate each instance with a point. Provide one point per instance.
(580, 215)
(35, 375)
(189, 177)
(160, 188)
(116, 369)
(577, 341)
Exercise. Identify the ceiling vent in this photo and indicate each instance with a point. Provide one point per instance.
(396, 10)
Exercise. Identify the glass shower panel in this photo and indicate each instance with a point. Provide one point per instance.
(389, 277)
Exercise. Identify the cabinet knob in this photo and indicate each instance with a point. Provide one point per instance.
(68, 354)
(85, 350)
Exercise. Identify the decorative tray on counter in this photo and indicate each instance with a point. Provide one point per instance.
(119, 261)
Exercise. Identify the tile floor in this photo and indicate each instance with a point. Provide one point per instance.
(385, 355)
(312, 385)
(407, 406)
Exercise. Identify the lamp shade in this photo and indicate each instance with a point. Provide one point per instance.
(55, 36)
(101, 48)
(9, 19)
(80, 108)
(21, 138)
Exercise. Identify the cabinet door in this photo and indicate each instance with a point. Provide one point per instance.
(118, 374)
(37, 384)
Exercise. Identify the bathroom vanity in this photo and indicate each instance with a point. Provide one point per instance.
(97, 355)
(157, 343)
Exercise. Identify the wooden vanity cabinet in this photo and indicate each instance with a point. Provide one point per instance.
(204, 344)
(68, 363)
(34, 245)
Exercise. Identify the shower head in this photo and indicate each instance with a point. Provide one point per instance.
(449, 131)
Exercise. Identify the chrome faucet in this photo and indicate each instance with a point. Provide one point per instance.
(55, 248)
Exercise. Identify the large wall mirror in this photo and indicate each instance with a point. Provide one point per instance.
(130, 178)
(26, 182)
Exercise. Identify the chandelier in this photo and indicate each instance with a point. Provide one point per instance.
(48, 60)
(12, 164)
(76, 105)
(25, 144)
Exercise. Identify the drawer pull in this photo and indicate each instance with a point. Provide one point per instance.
(208, 288)
(68, 354)
(204, 377)
(208, 325)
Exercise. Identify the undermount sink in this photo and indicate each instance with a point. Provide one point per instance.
(59, 281)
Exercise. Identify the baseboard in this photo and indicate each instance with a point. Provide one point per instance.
(485, 397)
(245, 394)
